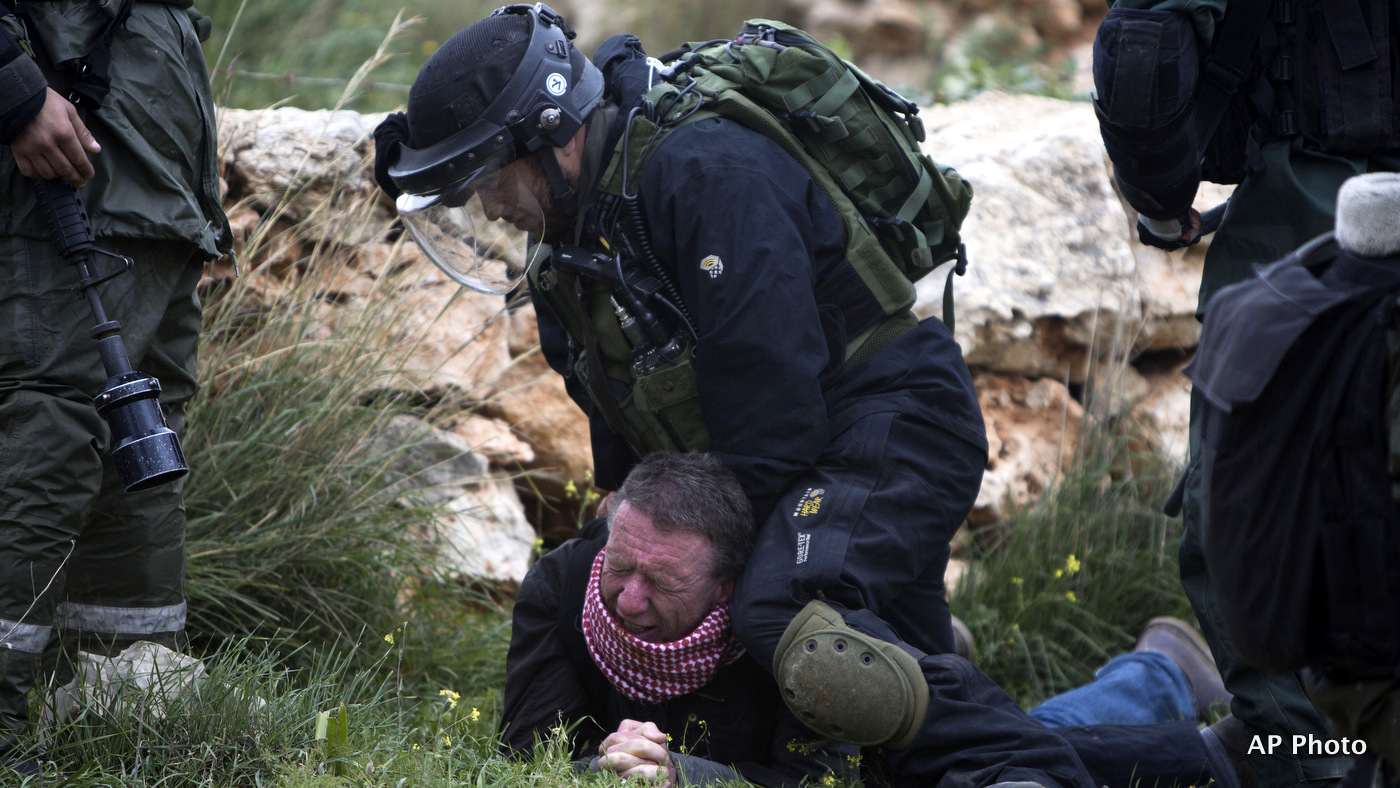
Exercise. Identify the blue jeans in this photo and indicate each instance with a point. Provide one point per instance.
(1135, 689)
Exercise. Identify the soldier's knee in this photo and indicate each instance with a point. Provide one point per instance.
(846, 685)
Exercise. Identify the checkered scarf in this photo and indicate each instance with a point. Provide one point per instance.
(654, 672)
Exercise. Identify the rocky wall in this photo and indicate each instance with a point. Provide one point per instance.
(1058, 293)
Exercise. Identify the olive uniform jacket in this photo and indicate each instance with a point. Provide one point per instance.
(157, 175)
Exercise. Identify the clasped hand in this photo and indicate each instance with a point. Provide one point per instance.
(638, 749)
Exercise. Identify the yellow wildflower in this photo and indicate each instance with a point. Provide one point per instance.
(1071, 564)
(1059, 573)
(476, 715)
(1018, 580)
(571, 489)
(1071, 597)
(389, 638)
(452, 698)
(447, 741)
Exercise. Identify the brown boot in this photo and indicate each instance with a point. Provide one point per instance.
(1179, 641)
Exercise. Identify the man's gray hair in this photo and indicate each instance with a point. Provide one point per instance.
(693, 492)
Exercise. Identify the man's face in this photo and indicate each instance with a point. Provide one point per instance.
(658, 584)
(519, 194)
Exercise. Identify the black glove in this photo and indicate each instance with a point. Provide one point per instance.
(1171, 234)
(387, 137)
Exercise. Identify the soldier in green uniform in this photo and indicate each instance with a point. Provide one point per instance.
(77, 553)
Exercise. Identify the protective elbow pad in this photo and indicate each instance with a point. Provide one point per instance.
(846, 685)
(1145, 71)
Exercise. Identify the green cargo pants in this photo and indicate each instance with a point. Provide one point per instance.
(1292, 201)
(76, 552)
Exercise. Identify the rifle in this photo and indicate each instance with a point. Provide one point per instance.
(145, 450)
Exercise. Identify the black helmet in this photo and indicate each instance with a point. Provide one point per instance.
(496, 91)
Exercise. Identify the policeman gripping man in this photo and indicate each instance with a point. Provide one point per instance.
(699, 295)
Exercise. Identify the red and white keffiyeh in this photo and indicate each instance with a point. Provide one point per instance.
(654, 672)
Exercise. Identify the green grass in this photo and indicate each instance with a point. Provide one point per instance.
(1064, 584)
(253, 722)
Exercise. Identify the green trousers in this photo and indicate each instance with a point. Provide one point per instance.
(76, 552)
(1292, 201)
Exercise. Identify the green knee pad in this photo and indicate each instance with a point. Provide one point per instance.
(848, 686)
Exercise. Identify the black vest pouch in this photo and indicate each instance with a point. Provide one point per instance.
(1347, 94)
(655, 408)
(669, 395)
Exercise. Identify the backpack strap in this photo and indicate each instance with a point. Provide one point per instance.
(92, 80)
(634, 151)
(1225, 68)
(91, 74)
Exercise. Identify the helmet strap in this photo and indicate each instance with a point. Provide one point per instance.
(564, 196)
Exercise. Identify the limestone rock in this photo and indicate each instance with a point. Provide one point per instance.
(958, 571)
(452, 338)
(1058, 19)
(524, 331)
(1165, 409)
(431, 464)
(533, 401)
(1032, 429)
(482, 531)
(485, 533)
(299, 165)
(887, 27)
(496, 440)
(1055, 276)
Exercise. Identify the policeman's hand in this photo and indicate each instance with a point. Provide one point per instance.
(638, 749)
(1170, 234)
(56, 144)
(387, 135)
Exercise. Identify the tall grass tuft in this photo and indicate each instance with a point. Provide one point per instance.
(293, 521)
(1066, 582)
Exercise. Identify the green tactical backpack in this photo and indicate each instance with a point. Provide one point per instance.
(858, 139)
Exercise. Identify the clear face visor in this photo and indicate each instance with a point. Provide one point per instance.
(478, 231)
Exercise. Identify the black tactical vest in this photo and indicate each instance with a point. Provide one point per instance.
(1324, 69)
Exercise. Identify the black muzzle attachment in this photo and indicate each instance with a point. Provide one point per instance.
(145, 451)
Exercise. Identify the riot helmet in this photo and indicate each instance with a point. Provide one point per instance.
(506, 88)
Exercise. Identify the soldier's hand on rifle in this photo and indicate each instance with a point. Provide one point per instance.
(56, 144)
